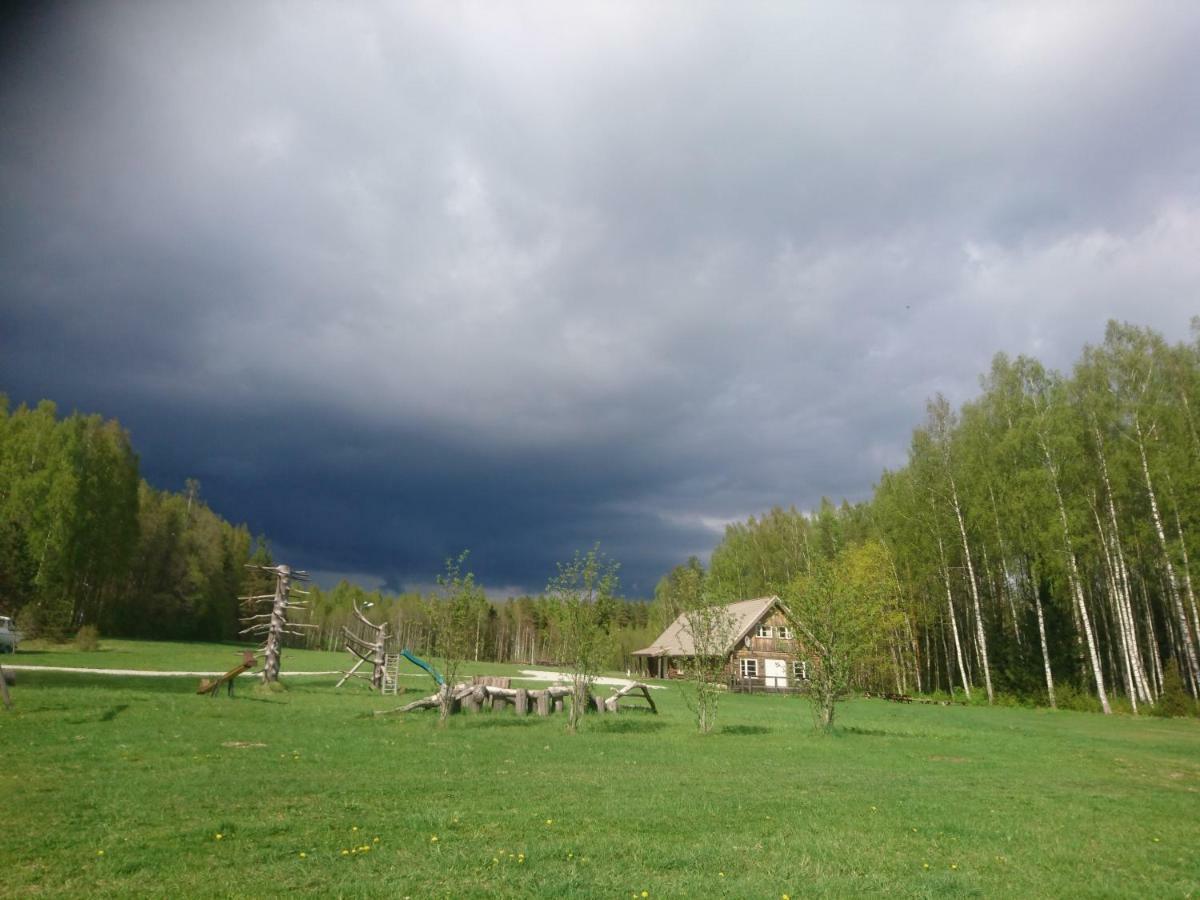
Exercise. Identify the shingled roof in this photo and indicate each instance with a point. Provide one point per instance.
(677, 640)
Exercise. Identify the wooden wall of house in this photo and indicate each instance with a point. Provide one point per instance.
(762, 648)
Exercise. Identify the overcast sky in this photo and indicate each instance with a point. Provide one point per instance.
(397, 280)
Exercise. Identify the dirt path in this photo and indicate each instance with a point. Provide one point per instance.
(144, 672)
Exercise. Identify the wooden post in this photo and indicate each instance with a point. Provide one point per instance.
(558, 704)
(543, 702)
(521, 702)
(4, 688)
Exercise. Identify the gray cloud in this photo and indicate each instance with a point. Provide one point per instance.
(397, 280)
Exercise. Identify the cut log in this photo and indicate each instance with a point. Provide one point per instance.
(521, 701)
(543, 701)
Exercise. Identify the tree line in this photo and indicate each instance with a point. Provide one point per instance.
(85, 541)
(1040, 541)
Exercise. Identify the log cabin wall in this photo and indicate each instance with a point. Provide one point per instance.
(771, 639)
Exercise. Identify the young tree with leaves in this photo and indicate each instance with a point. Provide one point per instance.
(452, 613)
(583, 594)
(843, 612)
(710, 627)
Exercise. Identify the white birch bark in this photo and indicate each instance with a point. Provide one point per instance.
(1189, 647)
(1114, 599)
(1041, 622)
(1075, 582)
(980, 636)
(962, 672)
(1006, 587)
(1121, 577)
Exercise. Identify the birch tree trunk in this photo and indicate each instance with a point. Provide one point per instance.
(980, 636)
(1041, 622)
(1124, 596)
(954, 624)
(1075, 581)
(1189, 648)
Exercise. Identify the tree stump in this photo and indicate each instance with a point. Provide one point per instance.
(521, 702)
(543, 702)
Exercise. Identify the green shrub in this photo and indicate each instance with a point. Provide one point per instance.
(1174, 700)
(35, 624)
(87, 638)
(1068, 696)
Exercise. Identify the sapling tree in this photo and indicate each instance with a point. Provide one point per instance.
(843, 610)
(583, 594)
(452, 614)
(710, 626)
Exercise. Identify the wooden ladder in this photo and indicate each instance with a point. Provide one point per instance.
(391, 673)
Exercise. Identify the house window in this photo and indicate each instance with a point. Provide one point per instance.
(764, 631)
(800, 669)
(749, 668)
(784, 632)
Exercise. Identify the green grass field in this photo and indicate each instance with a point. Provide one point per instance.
(121, 786)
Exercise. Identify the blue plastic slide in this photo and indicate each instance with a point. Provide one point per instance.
(417, 661)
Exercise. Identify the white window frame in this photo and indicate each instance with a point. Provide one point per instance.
(746, 665)
(800, 669)
(783, 632)
(764, 631)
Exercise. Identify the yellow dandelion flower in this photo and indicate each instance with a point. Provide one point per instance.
(785, 897)
(495, 861)
(345, 853)
(645, 893)
(218, 836)
(376, 840)
(433, 839)
(721, 874)
(354, 828)
(954, 867)
(924, 865)
(99, 852)
(549, 821)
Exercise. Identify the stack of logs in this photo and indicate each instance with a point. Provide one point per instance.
(488, 693)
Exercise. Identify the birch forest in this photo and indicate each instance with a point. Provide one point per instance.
(1042, 537)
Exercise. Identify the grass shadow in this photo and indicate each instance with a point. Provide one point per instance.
(485, 721)
(112, 713)
(876, 732)
(627, 726)
(107, 716)
(743, 729)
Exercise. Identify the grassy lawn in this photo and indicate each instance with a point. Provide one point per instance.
(120, 786)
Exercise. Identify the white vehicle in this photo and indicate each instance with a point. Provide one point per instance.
(9, 636)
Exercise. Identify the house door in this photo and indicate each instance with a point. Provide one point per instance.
(775, 671)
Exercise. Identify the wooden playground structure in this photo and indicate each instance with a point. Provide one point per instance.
(214, 686)
(489, 693)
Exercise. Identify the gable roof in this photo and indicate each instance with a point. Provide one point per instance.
(676, 640)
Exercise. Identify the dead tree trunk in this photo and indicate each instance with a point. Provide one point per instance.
(274, 624)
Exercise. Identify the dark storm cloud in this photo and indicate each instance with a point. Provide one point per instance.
(394, 281)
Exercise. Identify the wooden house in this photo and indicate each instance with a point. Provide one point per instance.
(762, 653)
